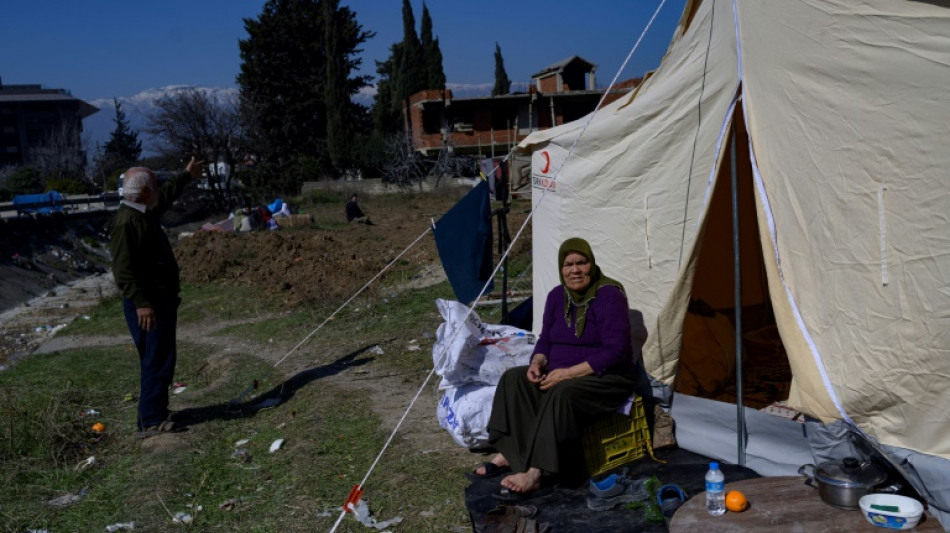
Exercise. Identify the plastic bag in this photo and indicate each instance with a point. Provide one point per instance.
(467, 351)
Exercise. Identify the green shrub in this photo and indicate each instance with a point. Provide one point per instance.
(112, 180)
(69, 186)
(25, 180)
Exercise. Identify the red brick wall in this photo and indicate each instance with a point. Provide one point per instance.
(548, 84)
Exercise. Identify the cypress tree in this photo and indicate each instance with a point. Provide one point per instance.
(411, 65)
(435, 76)
(502, 83)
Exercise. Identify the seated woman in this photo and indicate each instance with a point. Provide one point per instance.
(582, 369)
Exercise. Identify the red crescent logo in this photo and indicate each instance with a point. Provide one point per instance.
(547, 161)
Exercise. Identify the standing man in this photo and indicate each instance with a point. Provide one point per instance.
(146, 274)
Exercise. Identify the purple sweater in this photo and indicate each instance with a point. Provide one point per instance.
(605, 344)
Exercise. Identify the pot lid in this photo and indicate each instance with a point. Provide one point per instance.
(849, 473)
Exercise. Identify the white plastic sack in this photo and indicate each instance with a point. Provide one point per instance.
(464, 413)
(478, 353)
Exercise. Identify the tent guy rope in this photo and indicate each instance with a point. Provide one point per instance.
(357, 490)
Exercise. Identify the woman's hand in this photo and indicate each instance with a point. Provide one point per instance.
(554, 377)
(536, 369)
(562, 374)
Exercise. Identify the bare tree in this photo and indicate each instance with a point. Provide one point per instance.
(193, 122)
(60, 156)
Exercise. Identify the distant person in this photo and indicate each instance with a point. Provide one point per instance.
(146, 274)
(353, 211)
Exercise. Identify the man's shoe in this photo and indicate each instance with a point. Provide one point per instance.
(165, 427)
(613, 490)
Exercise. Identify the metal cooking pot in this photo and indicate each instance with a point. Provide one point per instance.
(842, 483)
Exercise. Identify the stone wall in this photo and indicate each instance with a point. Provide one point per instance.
(454, 186)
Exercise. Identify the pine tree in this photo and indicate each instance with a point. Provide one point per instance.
(295, 50)
(435, 76)
(502, 83)
(123, 148)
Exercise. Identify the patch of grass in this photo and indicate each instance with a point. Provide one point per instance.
(106, 319)
(331, 436)
(288, 325)
(219, 302)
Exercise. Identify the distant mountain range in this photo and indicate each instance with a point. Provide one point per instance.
(98, 127)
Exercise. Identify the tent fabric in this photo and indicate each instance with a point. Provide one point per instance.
(840, 112)
(463, 237)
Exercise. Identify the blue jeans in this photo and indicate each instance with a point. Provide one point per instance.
(157, 358)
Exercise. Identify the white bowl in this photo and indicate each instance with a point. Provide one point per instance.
(906, 516)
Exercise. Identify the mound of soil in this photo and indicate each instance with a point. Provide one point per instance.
(315, 264)
(306, 265)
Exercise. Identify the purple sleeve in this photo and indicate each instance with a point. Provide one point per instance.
(608, 312)
(552, 306)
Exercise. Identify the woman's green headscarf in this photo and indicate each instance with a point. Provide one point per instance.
(581, 300)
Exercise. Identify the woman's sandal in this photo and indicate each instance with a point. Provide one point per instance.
(491, 470)
(510, 496)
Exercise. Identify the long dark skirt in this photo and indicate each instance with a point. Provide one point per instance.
(541, 429)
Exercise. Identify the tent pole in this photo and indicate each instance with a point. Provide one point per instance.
(740, 414)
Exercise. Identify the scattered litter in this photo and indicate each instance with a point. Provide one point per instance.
(37, 531)
(241, 455)
(86, 463)
(361, 512)
(128, 397)
(267, 403)
(98, 427)
(376, 350)
(87, 317)
(274, 446)
(90, 412)
(413, 346)
(241, 442)
(63, 501)
(182, 518)
(179, 388)
(119, 526)
(228, 504)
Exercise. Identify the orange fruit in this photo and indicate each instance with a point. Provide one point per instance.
(736, 502)
(98, 427)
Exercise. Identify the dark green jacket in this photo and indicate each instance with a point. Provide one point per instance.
(143, 264)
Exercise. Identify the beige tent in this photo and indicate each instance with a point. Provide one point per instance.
(839, 113)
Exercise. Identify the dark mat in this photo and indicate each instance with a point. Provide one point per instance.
(565, 510)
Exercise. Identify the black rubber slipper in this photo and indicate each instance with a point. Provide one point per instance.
(510, 496)
(491, 470)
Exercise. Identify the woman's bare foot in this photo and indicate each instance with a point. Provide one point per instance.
(498, 460)
(524, 481)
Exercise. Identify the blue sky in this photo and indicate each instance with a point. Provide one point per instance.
(108, 48)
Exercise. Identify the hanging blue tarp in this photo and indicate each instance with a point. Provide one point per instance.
(464, 239)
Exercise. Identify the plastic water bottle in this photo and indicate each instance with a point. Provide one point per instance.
(715, 490)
